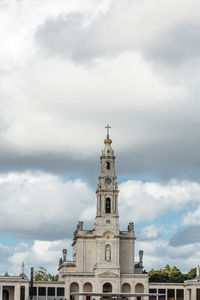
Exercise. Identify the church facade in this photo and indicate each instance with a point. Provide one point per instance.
(103, 257)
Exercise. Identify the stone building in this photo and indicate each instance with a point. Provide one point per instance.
(103, 257)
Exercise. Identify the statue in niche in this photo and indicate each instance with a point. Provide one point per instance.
(80, 226)
(22, 268)
(108, 253)
(198, 271)
(64, 251)
(131, 226)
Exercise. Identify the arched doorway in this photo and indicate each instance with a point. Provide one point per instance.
(5, 295)
(87, 287)
(139, 288)
(107, 287)
(74, 287)
(126, 288)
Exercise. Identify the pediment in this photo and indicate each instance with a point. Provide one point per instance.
(108, 275)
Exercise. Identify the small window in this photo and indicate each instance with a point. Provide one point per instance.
(22, 293)
(41, 291)
(107, 165)
(108, 205)
(60, 291)
(51, 291)
(108, 221)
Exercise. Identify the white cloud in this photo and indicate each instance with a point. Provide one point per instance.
(151, 232)
(52, 111)
(192, 217)
(47, 207)
(40, 253)
(41, 206)
(158, 253)
(137, 196)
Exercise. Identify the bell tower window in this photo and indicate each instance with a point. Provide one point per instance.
(108, 205)
(107, 165)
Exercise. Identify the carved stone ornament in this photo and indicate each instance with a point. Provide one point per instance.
(108, 275)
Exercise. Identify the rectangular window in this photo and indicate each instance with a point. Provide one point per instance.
(42, 291)
(198, 294)
(170, 294)
(60, 291)
(153, 291)
(22, 293)
(179, 294)
(51, 291)
(34, 292)
(161, 291)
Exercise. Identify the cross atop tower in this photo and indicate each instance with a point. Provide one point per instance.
(108, 127)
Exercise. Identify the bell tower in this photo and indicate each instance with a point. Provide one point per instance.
(107, 215)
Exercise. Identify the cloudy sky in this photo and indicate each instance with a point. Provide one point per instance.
(67, 68)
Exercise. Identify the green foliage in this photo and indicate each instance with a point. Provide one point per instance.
(169, 274)
(192, 273)
(6, 274)
(42, 275)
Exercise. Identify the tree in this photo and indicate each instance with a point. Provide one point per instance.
(169, 274)
(191, 274)
(158, 276)
(42, 275)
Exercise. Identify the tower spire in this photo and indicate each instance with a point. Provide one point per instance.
(108, 141)
(107, 127)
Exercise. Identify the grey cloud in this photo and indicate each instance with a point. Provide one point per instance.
(175, 46)
(107, 36)
(189, 235)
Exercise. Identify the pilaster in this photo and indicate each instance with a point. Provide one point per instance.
(17, 292)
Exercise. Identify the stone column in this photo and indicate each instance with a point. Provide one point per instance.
(194, 293)
(26, 291)
(186, 294)
(16, 292)
(37, 293)
(165, 294)
(1, 292)
(67, 291)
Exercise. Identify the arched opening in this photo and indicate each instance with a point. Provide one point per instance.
(139, 288)
(74, 287)
(87, 287)
(108, 205)
(108, 253)
(107, 165)
(107, 287)
(5, 295)
(126, 288)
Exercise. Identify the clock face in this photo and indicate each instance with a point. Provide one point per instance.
(107, 181)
